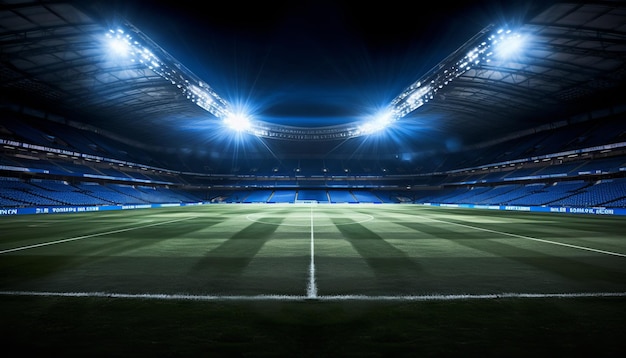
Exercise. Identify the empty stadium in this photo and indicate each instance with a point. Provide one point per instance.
(176, 183)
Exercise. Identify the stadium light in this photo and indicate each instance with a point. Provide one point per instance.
(148, 54)
(507, 44)
(119, 43)
(478, 51)
(238, 122)
(379, 123)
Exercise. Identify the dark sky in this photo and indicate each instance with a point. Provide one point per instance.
(314, 62)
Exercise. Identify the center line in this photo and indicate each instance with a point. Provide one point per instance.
(312, 287)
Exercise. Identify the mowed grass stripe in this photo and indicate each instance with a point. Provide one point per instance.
(110, 232)
(579, 232)
(211, 260)
(19, 231)
(466, 299)
(228, 257)
(483, 261)
(255, 257)
(431, 261)
(401, 251)
(234, 254)
(525, 237)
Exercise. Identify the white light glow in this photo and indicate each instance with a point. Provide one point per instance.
(238, 122)
(501, 45)
(509, 46)
(505, 44)
(381, 122)
(122, 44)
(119, 44)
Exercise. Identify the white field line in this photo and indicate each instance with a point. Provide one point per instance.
(92, 235)
(312, 286)
(457, 297)
(532, 238)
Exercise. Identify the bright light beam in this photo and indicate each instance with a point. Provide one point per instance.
(509, 46)
(478, 51)
(151, 56)
(237, 122)
(379, 123)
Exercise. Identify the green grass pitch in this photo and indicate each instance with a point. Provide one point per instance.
(313, 280)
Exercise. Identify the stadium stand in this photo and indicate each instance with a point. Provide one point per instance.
(283, 196)
(314, 195)
(48, 159)
(342, 196)
(584, 179)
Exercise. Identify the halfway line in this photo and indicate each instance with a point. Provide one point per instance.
(312, 286)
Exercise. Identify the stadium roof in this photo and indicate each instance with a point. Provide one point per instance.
(308, 73)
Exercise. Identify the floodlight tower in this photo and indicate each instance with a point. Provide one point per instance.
(144, 52)
(133, 44)
(474, 53)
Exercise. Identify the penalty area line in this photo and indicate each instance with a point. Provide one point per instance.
(93, 235)
(532, 238)
(182, 297)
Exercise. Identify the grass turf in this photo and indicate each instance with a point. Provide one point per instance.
(252, 250)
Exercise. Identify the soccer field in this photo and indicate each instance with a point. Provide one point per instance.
(298, 259)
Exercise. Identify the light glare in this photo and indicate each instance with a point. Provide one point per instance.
(509, 46)
(118, 44)
(379, 123)
(238, 122)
